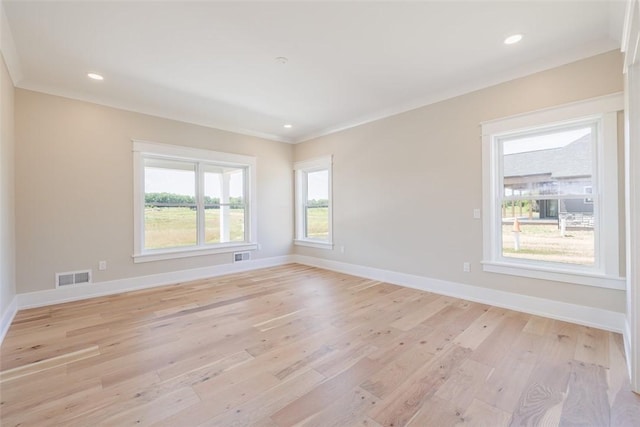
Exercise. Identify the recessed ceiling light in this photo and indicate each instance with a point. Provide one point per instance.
(288, 126)
(513, 39)
(95, 76)
(281, 60)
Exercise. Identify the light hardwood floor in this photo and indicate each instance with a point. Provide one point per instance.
(297, 345)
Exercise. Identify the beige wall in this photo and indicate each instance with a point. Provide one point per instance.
(405, 187)
(7, 217)
(74, 175)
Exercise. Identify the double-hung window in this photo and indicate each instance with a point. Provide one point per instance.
(551, 194)
(190, 202)
(313, 203)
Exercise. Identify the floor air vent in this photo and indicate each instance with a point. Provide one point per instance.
(241, 256)
(73, 278)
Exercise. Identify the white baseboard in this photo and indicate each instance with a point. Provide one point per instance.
(97, 289)
(627, 348)
(582, 315)
(7, 317)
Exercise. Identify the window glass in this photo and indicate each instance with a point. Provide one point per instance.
(549, 163)
(545, 177)
(547, 230)
(191, 202)
(224, 204)
(313, 214)
(170, 214)
(317, 205)
(550, 194)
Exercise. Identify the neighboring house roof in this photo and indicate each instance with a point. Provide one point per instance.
(572, 160)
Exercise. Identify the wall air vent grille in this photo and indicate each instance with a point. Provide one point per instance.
(73, 278)
(241, 256)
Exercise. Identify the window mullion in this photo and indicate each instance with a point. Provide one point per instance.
(200, 214)
(245, 204)
(305, 205)
(550, 197)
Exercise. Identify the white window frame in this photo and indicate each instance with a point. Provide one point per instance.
(144, 149)
(606, 272)
(301, 169)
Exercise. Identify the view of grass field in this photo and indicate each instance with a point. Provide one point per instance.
(317, 223)
(171, 227)
(543, 242)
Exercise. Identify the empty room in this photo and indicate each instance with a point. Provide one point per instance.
(320, 213)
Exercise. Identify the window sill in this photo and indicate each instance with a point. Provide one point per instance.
(314, 244)
(555, 274)
(164, 254)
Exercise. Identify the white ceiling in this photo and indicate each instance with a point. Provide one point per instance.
(213, 63)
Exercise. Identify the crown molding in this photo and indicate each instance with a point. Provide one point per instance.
(631, 34)
(8, 48)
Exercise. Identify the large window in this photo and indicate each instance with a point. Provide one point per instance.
(191, 202)
(551, 196)
(313, 203)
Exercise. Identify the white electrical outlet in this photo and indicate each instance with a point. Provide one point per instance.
(466, 267)
(102, 265)
(342, 249)
(476, 213)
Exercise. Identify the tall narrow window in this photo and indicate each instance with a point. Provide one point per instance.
(191, 202)
(313, 203)
(551, 196)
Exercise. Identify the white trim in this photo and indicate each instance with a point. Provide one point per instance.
(555, 115)
(222, 248)
(626, 337)
(627, 26)
(97, 289)
(589, 316)
(313, 244)
(579, 314)
(8, 48)
(301, 169)
(630, 36)
(608, 194)
(190, 153)
(143, 148)
(601, 110)
(322, 162)
(557, 275)
(589, 50)
(207, 120)
(631, 47)
(633, 222)
(7, 318)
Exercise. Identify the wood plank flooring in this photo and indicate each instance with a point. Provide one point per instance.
(297, 345)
